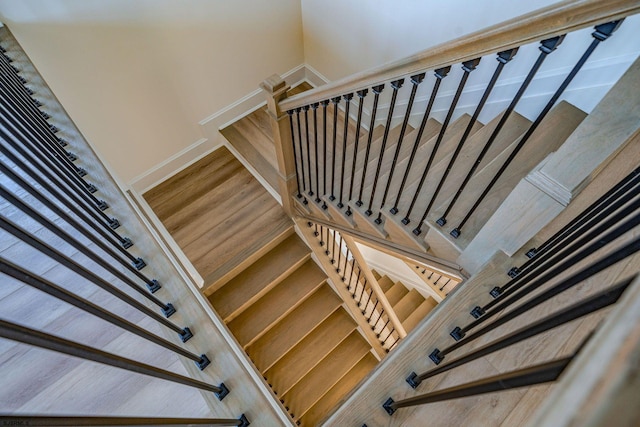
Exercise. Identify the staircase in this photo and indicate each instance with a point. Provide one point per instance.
(260, 279)
(409, 305)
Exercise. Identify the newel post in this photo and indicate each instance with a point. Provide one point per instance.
(275, 91)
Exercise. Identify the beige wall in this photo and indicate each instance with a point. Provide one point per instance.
(344, 37)
(138, 76)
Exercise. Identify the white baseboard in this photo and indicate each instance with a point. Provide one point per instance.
(211, 130)
(172, 165)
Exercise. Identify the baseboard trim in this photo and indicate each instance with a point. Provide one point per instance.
(211, 126)
(174, 164)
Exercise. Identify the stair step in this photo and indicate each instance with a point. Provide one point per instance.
(326, 374)
(262, 121)
(377, 276)
(247, 146)
(262, 142)
(418, 314)
(289, 331)
(548, 137)
(320, 410)
(277, 303)
(385, 282)
(396, 293)
(190, 184)
(248, 286)
(408, 304)
(238, 237)
(319, 342)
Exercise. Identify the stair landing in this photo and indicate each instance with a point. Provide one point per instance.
(216, 210)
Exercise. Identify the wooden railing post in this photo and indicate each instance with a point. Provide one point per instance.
(275, 91)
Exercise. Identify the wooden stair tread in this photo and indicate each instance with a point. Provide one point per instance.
(408, 304)
(376, 275)
(181, 223)
(261, 119)
(289, 331)
(339, 391)
(191, 183)
(222, 208)
(245, 146)
(233, 239)
(277, 303)
(302, 87)
(419, 313)
(246, 287)
(263, 143)
(385, 282)
(559, 123)
(305, 355)
(251, 253)
(395, 293)
(326, 374)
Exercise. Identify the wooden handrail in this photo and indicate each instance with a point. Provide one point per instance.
(560, 18)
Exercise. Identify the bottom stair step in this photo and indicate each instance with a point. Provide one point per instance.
(338, 392)
(326, 374)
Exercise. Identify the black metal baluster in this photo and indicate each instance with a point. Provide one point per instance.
(41, 138)
(121, 246)
(29, 336)
(55, 291)
(304, 185)
(526, 377)
(152, 285)
(396, 85)
(601, 33)
(546, 47)
(376, 97)
(64, 195)
(440, 74)
(568, 254)
(333, 247)
(314, 107)
(415, 81)
(74, 421)
(79, 198)
(551, 251)
(335, 101)
(583, 308)
(324, 104)
(167, 309)
(347, 100)
(366, 303)
(295, 155)
(575, 279)
(361, 94)
(503, 58)
(586, 215)
(20, 101)
(24, 102)
(467, 67)
(306, 131)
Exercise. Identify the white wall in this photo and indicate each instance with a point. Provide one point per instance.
(138, 76)
(344, 37)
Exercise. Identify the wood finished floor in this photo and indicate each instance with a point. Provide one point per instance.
(212, 208)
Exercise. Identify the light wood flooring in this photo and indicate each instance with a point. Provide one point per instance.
(216, 211)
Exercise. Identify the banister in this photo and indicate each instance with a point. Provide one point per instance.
(554, 20)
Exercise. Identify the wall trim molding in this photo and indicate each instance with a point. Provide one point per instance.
(210, 127)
